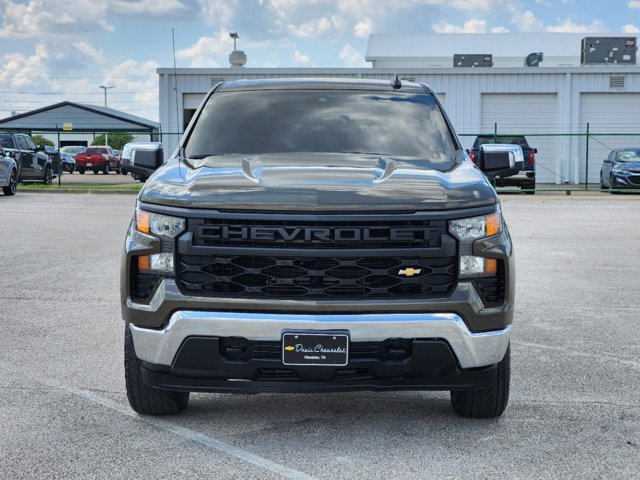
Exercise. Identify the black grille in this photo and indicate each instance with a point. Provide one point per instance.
(634, 179)
(142, 285)
(305, 257)
(307, 277)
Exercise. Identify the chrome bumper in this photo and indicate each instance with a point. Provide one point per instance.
(472, 349)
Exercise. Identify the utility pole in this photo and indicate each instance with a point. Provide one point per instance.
(106, 135)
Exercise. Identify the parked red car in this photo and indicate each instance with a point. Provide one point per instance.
(98, 159)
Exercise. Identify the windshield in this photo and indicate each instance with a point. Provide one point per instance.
(629, 156)
(285, 121)
(95, 151)
(5, 141)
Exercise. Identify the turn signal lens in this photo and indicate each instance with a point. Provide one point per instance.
(142, 221)
(490, 266)
(493, 224)
(144, 263)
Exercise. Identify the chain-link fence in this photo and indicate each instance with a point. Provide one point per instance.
(563, 161)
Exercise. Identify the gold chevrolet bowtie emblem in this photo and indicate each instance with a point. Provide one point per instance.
(409, 272)
(288, 348)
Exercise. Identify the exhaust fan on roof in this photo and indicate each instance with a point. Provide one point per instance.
(534, 59)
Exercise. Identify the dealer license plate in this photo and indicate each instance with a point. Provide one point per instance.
(321, 348)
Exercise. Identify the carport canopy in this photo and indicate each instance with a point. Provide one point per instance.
(79, 118)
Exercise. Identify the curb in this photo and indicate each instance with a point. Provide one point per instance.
(70, 190)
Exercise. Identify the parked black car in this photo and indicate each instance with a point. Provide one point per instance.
(621, 169)
(524, 176)
(33, 163)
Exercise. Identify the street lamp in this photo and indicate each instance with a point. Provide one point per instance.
(106, 135)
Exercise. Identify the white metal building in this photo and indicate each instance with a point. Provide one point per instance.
(546, 104)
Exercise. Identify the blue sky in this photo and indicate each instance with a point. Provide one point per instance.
(55, 50)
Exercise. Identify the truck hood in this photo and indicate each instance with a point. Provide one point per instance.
(316, 182)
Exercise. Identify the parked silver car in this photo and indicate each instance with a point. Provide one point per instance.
(8, 173)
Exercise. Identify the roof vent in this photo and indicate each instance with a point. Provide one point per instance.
(616, 81)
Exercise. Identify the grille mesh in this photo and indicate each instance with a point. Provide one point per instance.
(315, 277)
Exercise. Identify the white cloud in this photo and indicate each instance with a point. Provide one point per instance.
(301, 59)
(634, 4)
(470, 26)
(218, 12)
(207, 50)
(629, 28)
(526, 21)
(499, 30)
(363, 28)
(569, 27)
(60, 17)
(313, 28)
(351, 57)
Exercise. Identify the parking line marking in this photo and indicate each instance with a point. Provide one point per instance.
(171, 427)
(597, 356)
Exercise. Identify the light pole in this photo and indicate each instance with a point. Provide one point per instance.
(106, 135)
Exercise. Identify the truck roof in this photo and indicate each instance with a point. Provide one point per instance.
(320, 84)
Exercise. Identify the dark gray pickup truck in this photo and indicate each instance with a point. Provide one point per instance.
(318, 235)
(33, 164)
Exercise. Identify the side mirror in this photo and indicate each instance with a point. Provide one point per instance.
(142, 158)
(500, 159)
(535, 150)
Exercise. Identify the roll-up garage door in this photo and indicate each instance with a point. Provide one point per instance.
(526, 114)
(607, 113)
(191, 101)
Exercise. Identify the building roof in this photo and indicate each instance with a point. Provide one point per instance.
(82, 117)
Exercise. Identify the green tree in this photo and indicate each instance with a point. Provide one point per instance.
(116, 140)
(40, 140)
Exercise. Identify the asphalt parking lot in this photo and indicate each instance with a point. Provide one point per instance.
(574, 410)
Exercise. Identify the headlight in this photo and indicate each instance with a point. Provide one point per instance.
(476, 227)
(156, 263)
(467, 230)
(160, 225)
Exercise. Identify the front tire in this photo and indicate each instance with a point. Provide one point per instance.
(142, 398)
(48, 177)
(489, 402)
(10, 189)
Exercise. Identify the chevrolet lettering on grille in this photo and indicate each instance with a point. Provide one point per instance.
(317, 234)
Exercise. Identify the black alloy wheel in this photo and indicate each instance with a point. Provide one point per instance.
(48, 177)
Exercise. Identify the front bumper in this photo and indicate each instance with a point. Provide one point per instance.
(471, 350)
(625, 181)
